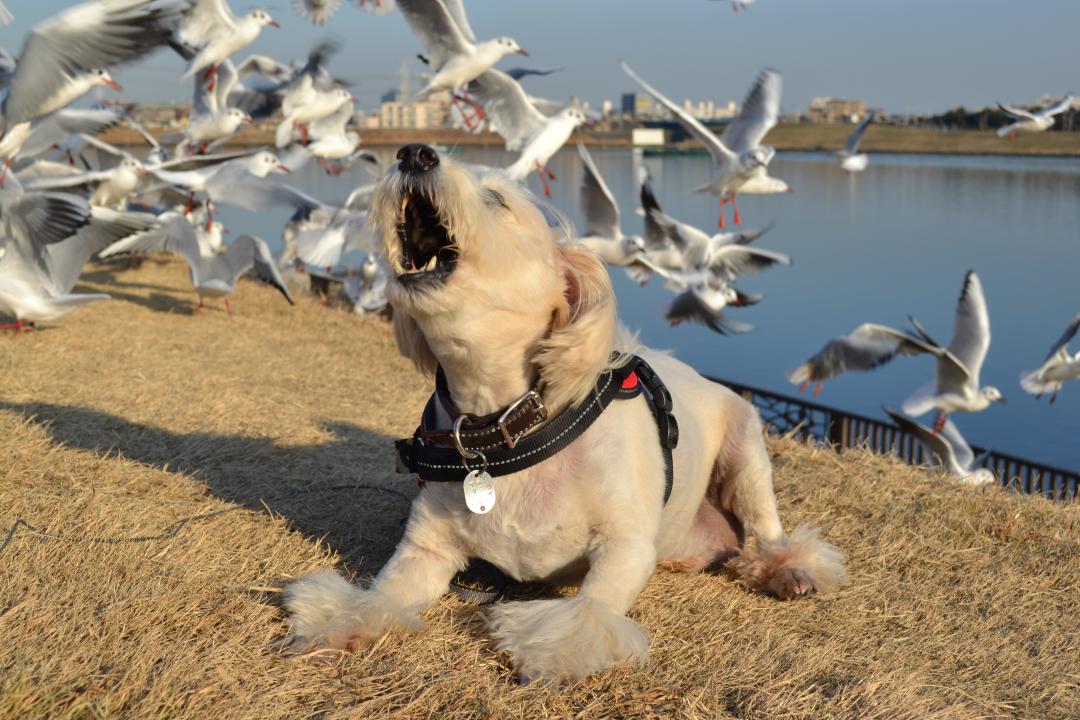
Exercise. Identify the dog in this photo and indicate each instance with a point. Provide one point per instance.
(488, 290)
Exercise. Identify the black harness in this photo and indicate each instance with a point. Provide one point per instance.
(428, 455)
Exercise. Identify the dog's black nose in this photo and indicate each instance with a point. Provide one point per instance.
(417, 158)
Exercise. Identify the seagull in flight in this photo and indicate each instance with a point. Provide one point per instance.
(849, 157)
(947, 448)
(1033, 122)
(1058, 368)
(453, 51)
(956, 387)
(215, 32)
(740, 161)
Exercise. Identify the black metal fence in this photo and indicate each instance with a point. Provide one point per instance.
(786, 415)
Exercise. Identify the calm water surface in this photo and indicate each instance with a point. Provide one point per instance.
(875, 247)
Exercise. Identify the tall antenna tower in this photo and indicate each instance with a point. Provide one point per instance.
(405, 93)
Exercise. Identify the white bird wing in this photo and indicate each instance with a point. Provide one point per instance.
(507, 107)
(759, 114)
(691, 307)
(5, 15)
(1062, 344)
(717, 148)
(82, 39)
(737, 259)
(254, 193)
(434, 25)
(1017, 112)
(68, 181)
(206, 21)
(597, 203)
(333, 124)
(655, 234)
(252, 252)
(173, 233)
(939, 446)
(457, 12)
(1059, 107)
(54, 129)
(852, 145)
(203, 102)
(266, 66)
(971, 336)
(868, 347)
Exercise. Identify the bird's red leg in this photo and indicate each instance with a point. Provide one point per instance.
(551, 175)
(190, 204)
(1053, 398)
(737, 218)
(211, 77)
(818, 389)
(939, 424)
(722, 223)
(804, 387)
(3, 175)
(198, 308)
(1012, 136)
(228, 308)
(16, 326)
(543, 178)
(470, 123)
(304, 134)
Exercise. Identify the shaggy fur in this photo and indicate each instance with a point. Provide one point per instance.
(524, 304)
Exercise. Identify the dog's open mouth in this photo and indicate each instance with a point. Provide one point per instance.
(428, 252)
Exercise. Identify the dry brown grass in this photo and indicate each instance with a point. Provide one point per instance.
(891, 139)
(129, 416)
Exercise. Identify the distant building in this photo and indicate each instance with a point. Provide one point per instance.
(638, 103)
(606, 107)
(433, 112)
(835, 110)
(649, 137)
(159, 115)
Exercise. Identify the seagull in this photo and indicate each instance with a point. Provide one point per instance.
(367, 290)
(212, 275)
(1033, 122)
(850, 158)
(240, 181)
(331, 142)
(602, 232)
(111, 187)
(518, 73)
(949, 449)
(453, 51)
(215, 32)
(212, 118)
(45, 240)
(306, 103)
(378, 7)
(58, 64)
(704, 304)
(61, 130)
(956, 387)
(525, 129)
(1058, 368)
(317, 11)
(867, 347)
(740, 161)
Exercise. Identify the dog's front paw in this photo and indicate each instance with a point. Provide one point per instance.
(566, 639)
(325, 611)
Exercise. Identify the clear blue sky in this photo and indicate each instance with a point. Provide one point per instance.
(900, 55)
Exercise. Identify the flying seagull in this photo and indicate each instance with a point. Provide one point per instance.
(740, 161)
(850, 158)
(1033, 122)
(1058, 368)
(948, 448)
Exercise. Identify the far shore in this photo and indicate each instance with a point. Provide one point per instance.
(794, 137)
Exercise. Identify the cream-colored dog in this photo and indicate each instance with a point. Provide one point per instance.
(487, 289)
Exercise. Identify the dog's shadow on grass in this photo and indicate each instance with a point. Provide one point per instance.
(344, 490)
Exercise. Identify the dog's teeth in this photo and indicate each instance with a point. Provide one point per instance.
(431, 263)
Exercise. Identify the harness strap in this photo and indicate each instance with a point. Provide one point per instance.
(437, 462)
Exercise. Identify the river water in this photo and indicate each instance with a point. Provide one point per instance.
(875, 247)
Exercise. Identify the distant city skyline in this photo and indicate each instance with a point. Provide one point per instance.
(919, 56)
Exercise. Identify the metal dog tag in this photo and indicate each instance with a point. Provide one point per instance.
(479, 491)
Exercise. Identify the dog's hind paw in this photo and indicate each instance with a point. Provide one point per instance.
(798, 564)
(566, 639)
(326, 612)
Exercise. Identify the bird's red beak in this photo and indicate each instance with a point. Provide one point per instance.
(249, 121)
(274, 23)
(519, 51)
(283, 168)
(115, 85)
(1002, 401)
(143, 171)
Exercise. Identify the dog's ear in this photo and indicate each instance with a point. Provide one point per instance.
(582, 335)
(412, 344)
